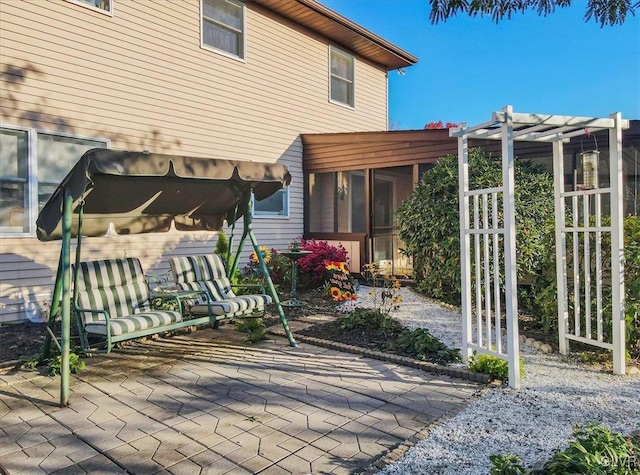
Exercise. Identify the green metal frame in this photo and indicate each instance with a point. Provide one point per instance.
(62, 297)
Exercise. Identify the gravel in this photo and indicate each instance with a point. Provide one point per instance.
(532, 422)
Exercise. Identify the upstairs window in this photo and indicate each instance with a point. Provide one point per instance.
(342, 77)
(104, 6)
(223, 26)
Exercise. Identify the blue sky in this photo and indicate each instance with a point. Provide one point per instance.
(470, 67)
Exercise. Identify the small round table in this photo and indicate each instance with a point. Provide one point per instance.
(294, 256)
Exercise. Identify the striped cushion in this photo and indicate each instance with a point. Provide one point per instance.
(115, 285)
(216, 289)
(109, 273)
(197, 268)
(207, 273)
(133, 323)
(233, 305)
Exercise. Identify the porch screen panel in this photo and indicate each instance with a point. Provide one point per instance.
(321, 202)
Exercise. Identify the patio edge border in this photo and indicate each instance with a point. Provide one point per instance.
(461, 373)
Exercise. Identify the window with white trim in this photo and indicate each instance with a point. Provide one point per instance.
(104, 6)
(223, 26)
(341, 77)
(32, 164)
(275, 206)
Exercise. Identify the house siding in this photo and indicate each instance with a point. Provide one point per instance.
(141, 80)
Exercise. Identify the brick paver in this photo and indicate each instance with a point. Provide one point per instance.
(206, 403)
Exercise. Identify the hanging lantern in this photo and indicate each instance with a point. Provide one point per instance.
(590, 167)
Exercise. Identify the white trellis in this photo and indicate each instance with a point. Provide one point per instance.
(488, 217)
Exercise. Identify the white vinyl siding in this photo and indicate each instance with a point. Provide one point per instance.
(102, 6)
(145, 89)
(342, 82)
(223, 26)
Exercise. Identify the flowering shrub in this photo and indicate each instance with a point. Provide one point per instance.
(312, 267)
(278, 265)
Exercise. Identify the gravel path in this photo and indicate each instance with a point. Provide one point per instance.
(532, 422)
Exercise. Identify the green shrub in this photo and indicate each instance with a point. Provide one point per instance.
(495, 367)
(253, 327)
(507, 465)
(222, 247)
(371, 319)
(422, 345)
(543, 293)
(596, 450)
(53, 362)
(75, 364)
(429, 221)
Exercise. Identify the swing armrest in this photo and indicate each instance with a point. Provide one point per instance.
(107, 318)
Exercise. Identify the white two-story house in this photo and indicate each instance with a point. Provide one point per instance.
(211, 78)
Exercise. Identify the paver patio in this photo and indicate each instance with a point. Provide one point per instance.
(206, 403)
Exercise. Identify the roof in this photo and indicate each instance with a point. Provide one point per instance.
(140, 192)
(316, 17)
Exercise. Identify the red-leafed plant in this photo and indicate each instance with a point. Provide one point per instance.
(439, 125)
(312, 267)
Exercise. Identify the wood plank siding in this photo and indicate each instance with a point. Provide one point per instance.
(140, 79)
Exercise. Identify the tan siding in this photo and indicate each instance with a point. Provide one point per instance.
(140, 79)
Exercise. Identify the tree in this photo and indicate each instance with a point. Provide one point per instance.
(605, 12)
(439, 125)
(429, 220)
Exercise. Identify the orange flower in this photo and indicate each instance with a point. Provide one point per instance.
(335, 293)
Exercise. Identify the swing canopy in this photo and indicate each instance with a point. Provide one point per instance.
(141, 192)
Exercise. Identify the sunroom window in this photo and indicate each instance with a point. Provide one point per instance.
(342, 77)
(32, 164)
(223, 26)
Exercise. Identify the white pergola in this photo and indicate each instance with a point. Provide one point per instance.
(487, 232)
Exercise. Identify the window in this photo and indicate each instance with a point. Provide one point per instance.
(341, 76)
(337, 202)
(32, 164)
(104, 6)
(276, 206)
(223, 26)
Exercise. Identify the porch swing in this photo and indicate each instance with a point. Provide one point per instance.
(141, 192)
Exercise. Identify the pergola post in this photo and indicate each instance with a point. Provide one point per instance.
(561, 245)
(617, 245)
(465, 244)
(510, 268)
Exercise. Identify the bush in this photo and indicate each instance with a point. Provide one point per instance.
(312, 267)
(279, 269)
(422, 345)
(254, 327)
(495, 367)
(543, 293)
(596, 450)
(507, 465)
(429, 222)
